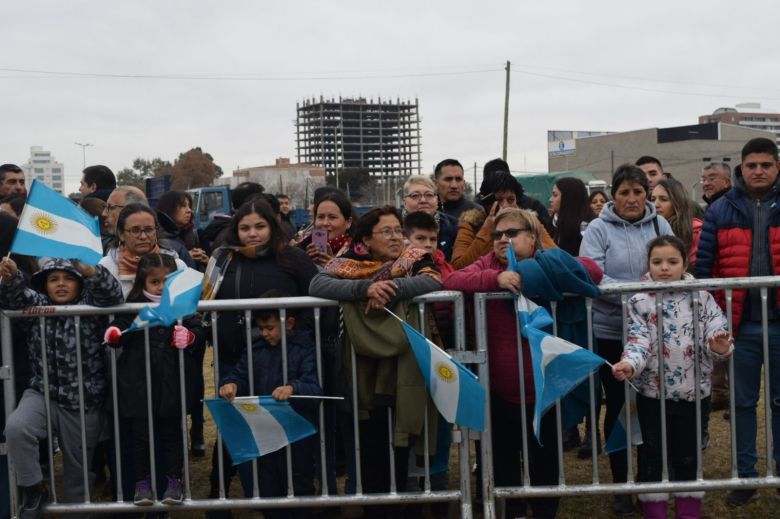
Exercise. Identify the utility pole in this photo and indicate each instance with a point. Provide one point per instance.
(506, 110)
(83, 153)
(475, 178)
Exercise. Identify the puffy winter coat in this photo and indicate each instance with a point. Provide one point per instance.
(164, 369)
(103, 289)
(726, 243)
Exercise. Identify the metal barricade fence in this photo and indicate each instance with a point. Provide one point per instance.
(124, 503)
(491, 493)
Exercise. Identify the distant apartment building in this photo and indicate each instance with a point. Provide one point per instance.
(298, 181)
(41, 166)
(750, 115)
(382, 137)
(683, 150)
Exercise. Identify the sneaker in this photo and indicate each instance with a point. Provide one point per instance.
(173, 494)
(143, 493)
(740, 497)
(623, 505)
(33, 499)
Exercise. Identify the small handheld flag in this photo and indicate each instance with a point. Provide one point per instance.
(255, 426)
(456, 391)
(180, 297)
(558, 365)
(617, 438)
(52, 225)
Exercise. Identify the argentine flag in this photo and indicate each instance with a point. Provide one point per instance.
(51, 225)
(617, 438)
(255, 426)
(456, 391)
(180, 297)
(558, 365)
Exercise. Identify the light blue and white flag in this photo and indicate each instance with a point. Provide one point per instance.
(617, 438)
(51, 225)
(255, 426)
(455, 390)
(180, 297)
(558, 365)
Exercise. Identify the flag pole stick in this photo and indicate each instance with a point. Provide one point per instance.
(626, 380)
(391, 313)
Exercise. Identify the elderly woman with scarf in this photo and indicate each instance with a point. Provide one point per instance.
(380, 272)
(256, 259)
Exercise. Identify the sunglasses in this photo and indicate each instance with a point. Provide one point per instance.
(510, 233)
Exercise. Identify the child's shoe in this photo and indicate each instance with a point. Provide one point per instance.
(33, 499)
(173, 494)
(143, 493)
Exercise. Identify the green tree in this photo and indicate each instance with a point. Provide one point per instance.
(129, 177)
(141, 170)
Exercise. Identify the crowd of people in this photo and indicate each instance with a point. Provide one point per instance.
(646, 229)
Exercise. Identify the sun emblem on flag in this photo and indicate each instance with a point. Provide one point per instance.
(445, 372)
(249, 408)
(44, 223)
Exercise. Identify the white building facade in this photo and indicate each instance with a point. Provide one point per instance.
(41, 166)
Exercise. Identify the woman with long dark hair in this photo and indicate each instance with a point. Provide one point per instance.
(672, 202)
(571, 213)
(174, 212)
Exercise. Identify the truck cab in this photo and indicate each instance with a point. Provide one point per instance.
(208, 202)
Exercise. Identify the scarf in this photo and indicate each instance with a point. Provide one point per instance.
(151, 297)
(340, 245)
(128, 262)
(218, 264)
(376, 270)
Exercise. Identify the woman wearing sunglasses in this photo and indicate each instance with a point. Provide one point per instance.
(542, 276)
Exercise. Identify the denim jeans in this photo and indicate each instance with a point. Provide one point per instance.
(748, 359)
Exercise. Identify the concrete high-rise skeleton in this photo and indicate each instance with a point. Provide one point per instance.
(382, 137)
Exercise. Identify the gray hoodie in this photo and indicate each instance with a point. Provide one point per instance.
(619, 247)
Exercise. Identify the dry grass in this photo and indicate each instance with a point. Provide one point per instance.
(717, 464)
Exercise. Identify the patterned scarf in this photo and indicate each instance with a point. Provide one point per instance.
(375, 270)
(128, 262)
(340, 245)
(218, 264)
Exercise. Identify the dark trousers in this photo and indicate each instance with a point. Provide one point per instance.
(680, 438)
(508, 451)
(614, 392)
(375, 454)
(167, 431)
(272, 477)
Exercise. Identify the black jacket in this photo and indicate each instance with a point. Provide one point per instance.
(164, 367)
(245, 278)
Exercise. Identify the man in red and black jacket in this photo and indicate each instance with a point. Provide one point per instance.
(740, 238)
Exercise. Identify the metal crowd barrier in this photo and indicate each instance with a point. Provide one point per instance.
(124, 504)
(491, 493)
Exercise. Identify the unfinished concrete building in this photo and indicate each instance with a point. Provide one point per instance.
(381, 136)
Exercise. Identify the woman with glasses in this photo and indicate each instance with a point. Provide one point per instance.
(542, 276)
(617, 241)
(420, 195)
(381, 272)
(136, 230)
(473, 240)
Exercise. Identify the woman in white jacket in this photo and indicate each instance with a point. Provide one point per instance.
(667, 261)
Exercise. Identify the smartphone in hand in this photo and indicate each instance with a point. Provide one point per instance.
(319, 237)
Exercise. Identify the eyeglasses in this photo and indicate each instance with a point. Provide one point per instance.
(417, 196)
(111, 207)
(711, 178)
(510, 233)
(388, 233)
(137, 231)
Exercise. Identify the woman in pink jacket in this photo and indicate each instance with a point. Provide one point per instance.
(489, 274)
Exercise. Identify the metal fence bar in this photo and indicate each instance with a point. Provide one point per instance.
(47, 407)
(183, 396)
(251, 373)
(426, 445)
(9, 395)
(523, 401)
(627, 400)
(288, 448)
(150, 420)
(321, 409)
(732, 403)
(486, 440)
(767, 384)
(697, 353)
(218, 445)
(82, 411)
(116, 433)
(659, 309)
(594, 397)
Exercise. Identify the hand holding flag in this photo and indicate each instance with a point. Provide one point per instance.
(180, 297)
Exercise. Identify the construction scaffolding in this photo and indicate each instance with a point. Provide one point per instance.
(382, 137)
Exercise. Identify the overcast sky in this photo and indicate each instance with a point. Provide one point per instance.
(611, 66)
